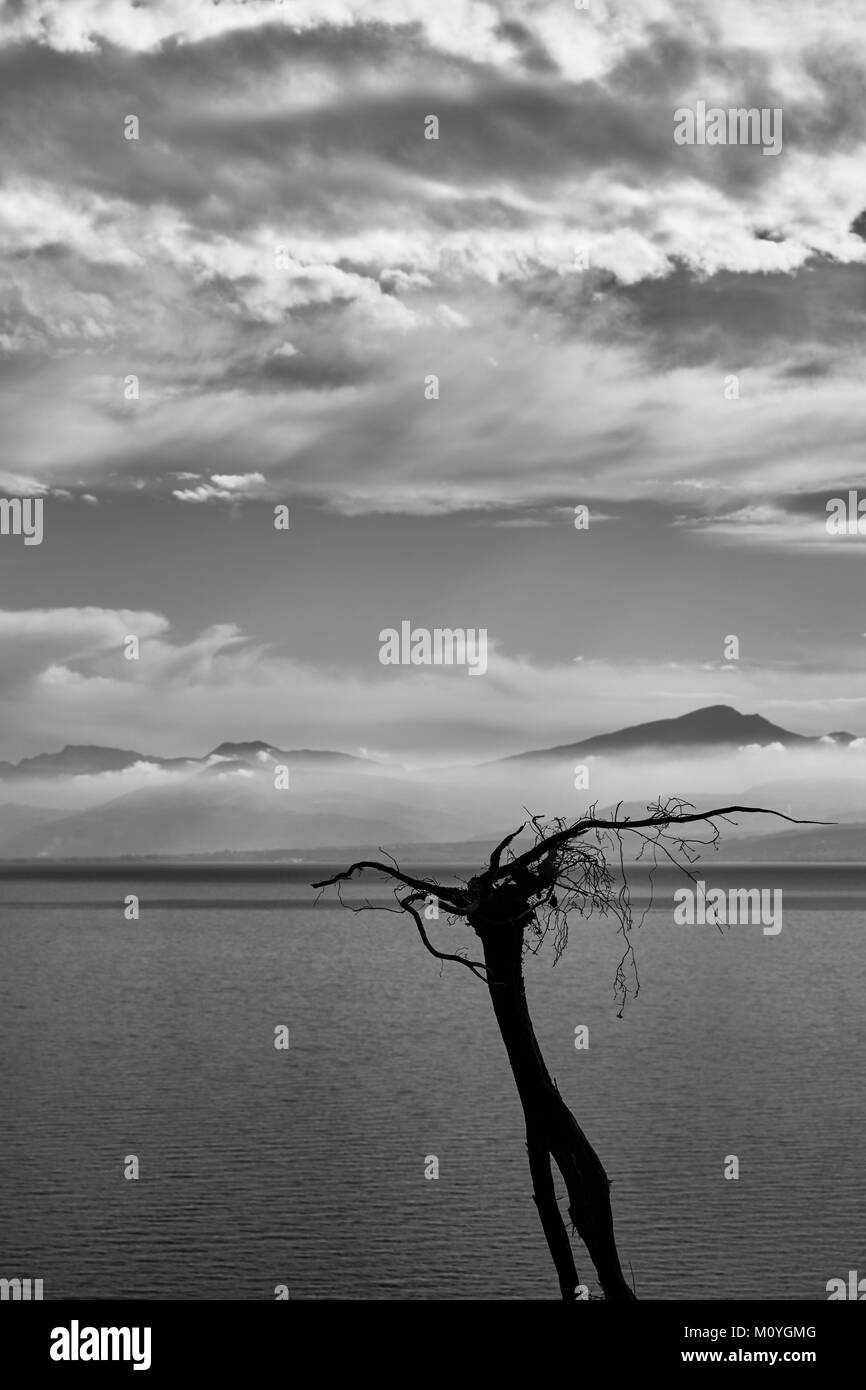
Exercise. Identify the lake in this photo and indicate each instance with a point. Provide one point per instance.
(305, 1167)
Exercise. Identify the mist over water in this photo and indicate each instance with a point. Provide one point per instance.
(306, 1167)
(146, 810)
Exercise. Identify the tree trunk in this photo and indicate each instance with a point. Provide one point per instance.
(551, 1129)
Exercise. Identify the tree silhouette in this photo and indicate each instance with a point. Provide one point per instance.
(514, 906)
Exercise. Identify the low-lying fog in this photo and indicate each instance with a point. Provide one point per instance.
(148, 810)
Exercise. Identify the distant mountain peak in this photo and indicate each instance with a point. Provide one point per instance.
(235, 750)
(709, 726)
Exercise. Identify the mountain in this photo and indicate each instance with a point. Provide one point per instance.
(258, 752)
(16, 819)
(77, 760)
(715, 726)
(234, 807)
(172, 821)
(836, 844)
(719, 726)
(230, 799)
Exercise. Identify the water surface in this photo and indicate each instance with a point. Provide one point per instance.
(306, 1168)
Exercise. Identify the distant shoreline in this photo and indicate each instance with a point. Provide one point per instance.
(218, 867)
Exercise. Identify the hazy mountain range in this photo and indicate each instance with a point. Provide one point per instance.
(79, 760)
(94, 802)
(713, 726)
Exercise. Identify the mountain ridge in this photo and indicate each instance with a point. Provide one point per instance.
(91, 759)
(709, 726)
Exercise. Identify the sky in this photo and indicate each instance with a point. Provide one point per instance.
(282, 260)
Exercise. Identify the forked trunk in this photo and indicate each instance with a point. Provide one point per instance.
(551, 1129)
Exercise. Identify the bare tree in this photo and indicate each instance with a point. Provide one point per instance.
(513, 906)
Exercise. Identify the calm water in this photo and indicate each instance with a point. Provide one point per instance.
(306, 1167)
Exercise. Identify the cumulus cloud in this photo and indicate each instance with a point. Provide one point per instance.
(284, 257)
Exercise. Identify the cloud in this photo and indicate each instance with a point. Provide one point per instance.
(223, 487)
(238, 482)
(282, 259)
(65, 679)
(14, 485)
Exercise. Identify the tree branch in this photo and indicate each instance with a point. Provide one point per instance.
(503, 845)
(451, 897)
(660, 818)
(476, 966)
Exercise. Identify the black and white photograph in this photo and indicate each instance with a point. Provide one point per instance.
(433, 664)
